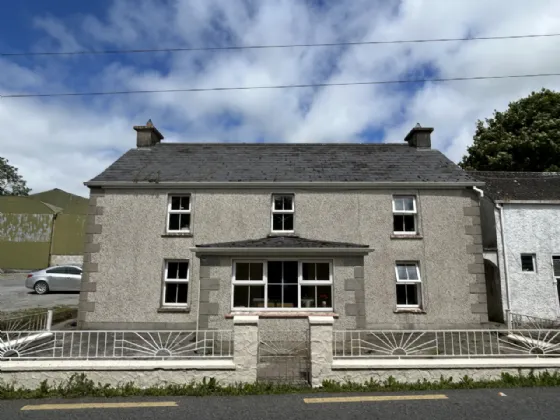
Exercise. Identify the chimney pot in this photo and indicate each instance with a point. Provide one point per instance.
(147, 135)
(420, 137)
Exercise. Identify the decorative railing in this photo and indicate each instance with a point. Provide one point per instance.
(446, 343)
(520, 321)
(87, 345)
(39, 321)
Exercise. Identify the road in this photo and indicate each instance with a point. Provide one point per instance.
(517, 404)
(15, 296)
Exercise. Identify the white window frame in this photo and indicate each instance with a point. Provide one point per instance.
(274, 211)
(413, 212)
(264, 283)
(170, 212)
(556, 278)
(533, 257)
(416, 282)
(174, 281)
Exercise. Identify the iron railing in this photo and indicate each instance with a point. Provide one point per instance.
(446, 343)
(521, 321)
(87, 345)
(39, 321)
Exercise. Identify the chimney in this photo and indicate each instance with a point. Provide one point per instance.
(420, 137)
(147, 135)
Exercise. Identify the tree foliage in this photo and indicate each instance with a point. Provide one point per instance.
(11, 183)
(526, 137)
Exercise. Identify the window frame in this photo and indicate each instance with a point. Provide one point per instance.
(170, 211)
(533, 259)
(175, 281)
(413, 213)
(299, 284)
(273, 212)
(556, 277)
(417, 282)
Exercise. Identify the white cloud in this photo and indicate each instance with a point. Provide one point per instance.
(63, 142)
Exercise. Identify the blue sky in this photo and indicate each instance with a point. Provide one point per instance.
(62, 142)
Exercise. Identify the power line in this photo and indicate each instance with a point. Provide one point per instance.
(382, 82)
(255, 47)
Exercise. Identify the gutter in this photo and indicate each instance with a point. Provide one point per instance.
(280, 185)
(506, 276)
(268, 251)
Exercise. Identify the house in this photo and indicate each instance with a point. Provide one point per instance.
(186, 235)
(520, 215)
(42, 229)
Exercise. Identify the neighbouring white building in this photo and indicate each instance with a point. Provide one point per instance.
(520, 218)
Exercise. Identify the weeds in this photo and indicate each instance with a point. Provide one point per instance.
(80, 386)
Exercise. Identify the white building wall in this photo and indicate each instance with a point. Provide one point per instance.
(530, 229)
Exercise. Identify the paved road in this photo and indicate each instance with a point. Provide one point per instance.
(15, 296)
(518, 404)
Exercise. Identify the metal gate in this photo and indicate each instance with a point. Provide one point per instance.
(284, 357)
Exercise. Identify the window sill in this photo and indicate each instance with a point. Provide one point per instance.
(177, 235)
(417, 311)
(172, 310)
(274, 234)
(405, 236)
(272, 314)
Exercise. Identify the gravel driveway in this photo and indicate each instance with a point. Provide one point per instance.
(15, 296)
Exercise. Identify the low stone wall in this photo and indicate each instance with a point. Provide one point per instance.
(241, 368)
(360, 370)
(143, 375)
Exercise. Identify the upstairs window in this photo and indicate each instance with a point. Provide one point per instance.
(404, 215)
(408, 285)
(282, 213)
(179, 214)
(528, 263)
(176, 283)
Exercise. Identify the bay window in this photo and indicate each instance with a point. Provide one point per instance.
(282, 285)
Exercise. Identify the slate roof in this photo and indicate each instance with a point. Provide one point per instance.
(282, 242)
(283, 162)
(520, 185)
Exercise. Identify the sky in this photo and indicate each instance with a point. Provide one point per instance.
(61, 142)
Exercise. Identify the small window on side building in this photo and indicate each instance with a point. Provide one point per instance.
(528, 263)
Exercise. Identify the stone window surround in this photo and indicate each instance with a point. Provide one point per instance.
(300, 283)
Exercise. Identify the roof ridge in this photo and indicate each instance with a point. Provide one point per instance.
(279, 144)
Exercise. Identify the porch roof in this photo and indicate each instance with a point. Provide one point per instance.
(283, 244)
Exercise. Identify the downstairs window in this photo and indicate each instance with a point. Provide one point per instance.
(282, 285)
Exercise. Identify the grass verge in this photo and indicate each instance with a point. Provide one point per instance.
(80, 386)
(17, 319)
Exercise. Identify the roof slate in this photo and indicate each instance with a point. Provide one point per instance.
(283, 162)
(532, 186)
(282, 242)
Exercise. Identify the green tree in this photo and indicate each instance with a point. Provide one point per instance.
(11, 183)
(526, 137)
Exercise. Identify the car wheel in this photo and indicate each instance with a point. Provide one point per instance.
(41, 287)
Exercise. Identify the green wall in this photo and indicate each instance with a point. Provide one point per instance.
(68, 237)
(25, 240)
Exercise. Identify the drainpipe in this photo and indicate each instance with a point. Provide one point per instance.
(479, 191)
(506, 277)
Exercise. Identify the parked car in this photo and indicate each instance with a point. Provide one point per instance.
(60, 278)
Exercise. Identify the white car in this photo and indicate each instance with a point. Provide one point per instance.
(60, 278)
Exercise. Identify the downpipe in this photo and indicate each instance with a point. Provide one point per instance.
(506, 276)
